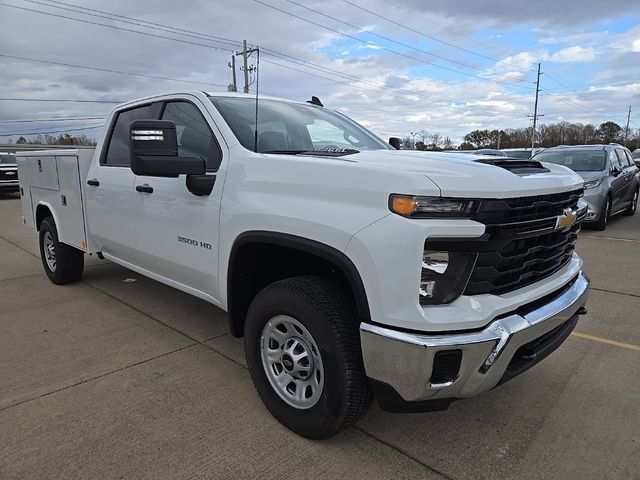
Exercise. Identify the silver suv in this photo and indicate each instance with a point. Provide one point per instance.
(611, 178)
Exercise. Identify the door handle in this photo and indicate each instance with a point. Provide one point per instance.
(93, 182)
(144, 188)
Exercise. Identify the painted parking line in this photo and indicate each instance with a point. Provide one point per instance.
(606, 341)
(611, 238)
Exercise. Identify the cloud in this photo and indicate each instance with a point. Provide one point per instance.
(522, 60)
(574, 54)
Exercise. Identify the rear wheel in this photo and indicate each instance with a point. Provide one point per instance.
(303, 351)
(631, 210)
(601, 224)
(62, 263)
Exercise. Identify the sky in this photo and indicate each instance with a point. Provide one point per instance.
(395, 66)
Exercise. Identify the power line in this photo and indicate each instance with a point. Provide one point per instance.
(407, 95)
(10, 134)
(58, 100)
(568, 102)
(100, 69)
(379, 87)
(108, 26)
(189, 33)
(384, 48)
(567, 88)
(360, 29)
(436, 39)
(56, 119)
(594, 88)
(196, 35)
(289, 59)
(236, 42)
(113, 26)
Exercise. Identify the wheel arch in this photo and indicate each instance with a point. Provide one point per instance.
(300, 254)
(44, 210)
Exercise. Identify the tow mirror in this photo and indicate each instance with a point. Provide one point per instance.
(154, 151)
(395, 142)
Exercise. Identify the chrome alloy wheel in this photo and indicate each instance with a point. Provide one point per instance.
(292, 361)
(634, 202)
(49, 251)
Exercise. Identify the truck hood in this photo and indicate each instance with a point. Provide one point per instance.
(460, 174)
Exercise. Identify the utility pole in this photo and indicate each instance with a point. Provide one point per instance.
(626, 130)
(498, 146)
(246, 67)
(234, 86)
(245, 63)
(535, 111)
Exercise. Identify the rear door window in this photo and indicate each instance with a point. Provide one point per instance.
(118, 150)
(622, 158)
(630, 159)
(614, 162)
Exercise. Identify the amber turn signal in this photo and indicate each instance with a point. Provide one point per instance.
(405, 206)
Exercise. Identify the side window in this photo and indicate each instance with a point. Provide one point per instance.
(622, 158)
(614, 162)
(195, 138)
(630, 159)
(118, 150)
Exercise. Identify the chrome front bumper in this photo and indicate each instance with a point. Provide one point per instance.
(405, 361)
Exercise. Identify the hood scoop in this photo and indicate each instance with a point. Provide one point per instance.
(517, 166)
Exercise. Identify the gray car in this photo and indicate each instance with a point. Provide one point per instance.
(611, 178)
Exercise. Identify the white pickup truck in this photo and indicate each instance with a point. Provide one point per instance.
(352, 269)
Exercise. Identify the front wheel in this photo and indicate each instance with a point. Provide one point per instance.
(631, 209)
(303, 351)
(601, 224)
(62, 263)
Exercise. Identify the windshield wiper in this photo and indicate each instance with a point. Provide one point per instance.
(326, 152)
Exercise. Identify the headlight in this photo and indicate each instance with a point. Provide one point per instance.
(429, 207)
(444, 275)
(592, 183)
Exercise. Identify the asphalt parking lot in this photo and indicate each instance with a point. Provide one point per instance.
(119, 376)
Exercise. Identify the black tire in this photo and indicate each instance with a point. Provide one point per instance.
(69, 261)
(329, 316)
(605, 213)
(631, 209)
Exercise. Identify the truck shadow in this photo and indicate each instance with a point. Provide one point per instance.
(189, 315)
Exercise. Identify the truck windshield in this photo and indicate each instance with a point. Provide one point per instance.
(576, 160)
(294, 128)
(6, 158)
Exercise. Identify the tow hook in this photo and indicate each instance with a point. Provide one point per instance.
(582, 311)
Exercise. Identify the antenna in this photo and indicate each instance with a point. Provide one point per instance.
(255, 137)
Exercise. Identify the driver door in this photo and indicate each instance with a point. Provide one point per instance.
(177, 230)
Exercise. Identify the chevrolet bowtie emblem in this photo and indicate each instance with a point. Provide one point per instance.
(565, 221)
